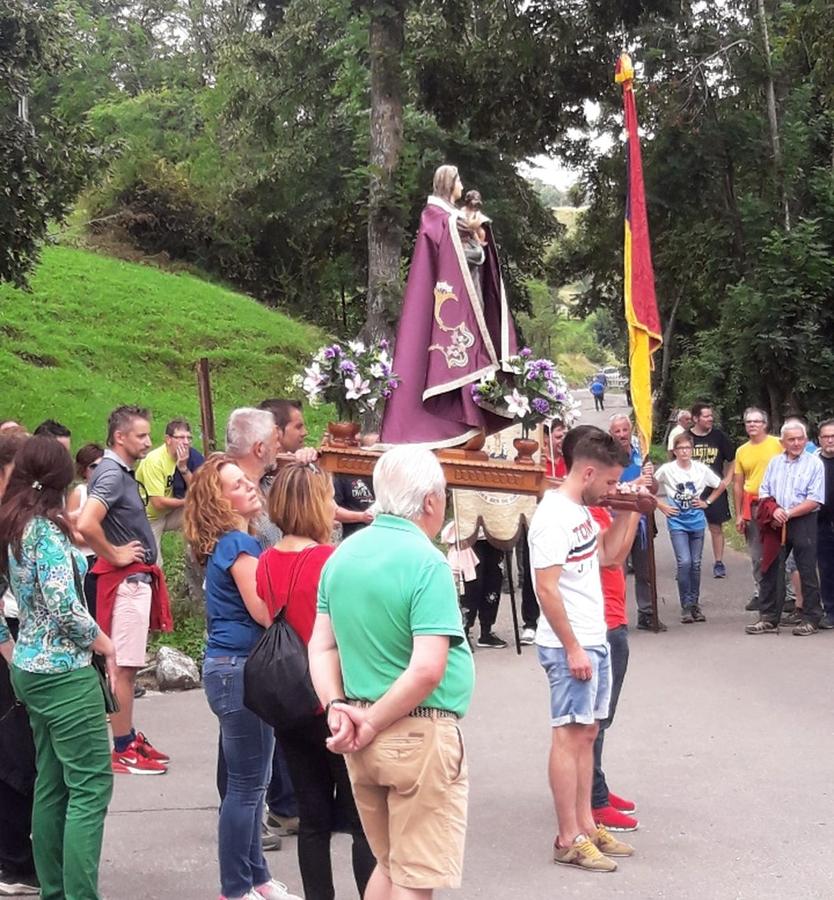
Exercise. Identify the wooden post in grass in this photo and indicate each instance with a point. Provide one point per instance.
(206, 406)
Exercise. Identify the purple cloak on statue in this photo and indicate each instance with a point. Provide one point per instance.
(447, 338)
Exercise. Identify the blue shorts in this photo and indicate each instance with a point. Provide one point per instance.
(575, 702)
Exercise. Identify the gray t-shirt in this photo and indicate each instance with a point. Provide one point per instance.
(114, 484)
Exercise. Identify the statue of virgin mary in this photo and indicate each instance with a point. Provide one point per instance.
(454, 329)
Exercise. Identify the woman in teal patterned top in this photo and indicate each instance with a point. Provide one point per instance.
(56, 630)
(52, 675)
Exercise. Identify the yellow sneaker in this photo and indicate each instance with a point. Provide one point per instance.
(606, 843)
(583, 854)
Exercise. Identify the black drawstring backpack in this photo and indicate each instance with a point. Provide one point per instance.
(276, 678)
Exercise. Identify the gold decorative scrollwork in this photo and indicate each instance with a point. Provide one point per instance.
(460, 337)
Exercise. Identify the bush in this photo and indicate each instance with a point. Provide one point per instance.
(189, 634)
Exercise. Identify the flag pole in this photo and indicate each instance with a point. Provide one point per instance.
(642, 318)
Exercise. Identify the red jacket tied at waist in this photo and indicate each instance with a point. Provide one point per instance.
(109, 579)
(770, 532)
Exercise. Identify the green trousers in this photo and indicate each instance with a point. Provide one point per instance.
(74, 782)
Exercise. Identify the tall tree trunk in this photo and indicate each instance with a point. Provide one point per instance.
(385, 232)
(775, 404)
(666, 354)
(771, 115)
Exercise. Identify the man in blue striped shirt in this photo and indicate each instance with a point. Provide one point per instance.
(795, 480)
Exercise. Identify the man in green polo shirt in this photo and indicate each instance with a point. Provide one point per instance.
(390, 663)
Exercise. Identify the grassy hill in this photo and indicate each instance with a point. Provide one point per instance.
(94, 332)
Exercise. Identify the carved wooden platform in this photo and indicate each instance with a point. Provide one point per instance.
(477, 474)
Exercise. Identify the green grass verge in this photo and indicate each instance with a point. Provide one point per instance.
(94, 332)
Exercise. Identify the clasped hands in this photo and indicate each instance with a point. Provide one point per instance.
(350, 729)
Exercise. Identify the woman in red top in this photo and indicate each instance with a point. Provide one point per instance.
(302, 505)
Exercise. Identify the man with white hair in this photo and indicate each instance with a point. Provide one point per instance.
(252, 441)
(392, 667)
(794, 483)
(682, 422)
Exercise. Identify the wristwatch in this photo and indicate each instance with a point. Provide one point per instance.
(333, 702)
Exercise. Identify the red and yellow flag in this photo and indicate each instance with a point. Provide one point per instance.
(644, 334)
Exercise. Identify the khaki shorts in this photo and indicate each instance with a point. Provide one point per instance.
(411, 786)
(131, 620)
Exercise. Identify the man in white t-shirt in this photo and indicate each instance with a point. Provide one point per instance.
(566, 551)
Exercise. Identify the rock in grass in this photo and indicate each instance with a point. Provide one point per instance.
(175, 671)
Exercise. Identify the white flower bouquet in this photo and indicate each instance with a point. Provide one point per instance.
(354, 377)
(532, 391)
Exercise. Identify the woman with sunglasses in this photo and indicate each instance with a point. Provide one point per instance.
(302, 504)
(683, 481)
(220, 508)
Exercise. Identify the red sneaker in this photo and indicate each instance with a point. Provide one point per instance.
(625, 806)
(614, 820)
(142, 745)
(131, 762)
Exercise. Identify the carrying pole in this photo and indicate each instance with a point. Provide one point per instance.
(508, 562)
(652, 569)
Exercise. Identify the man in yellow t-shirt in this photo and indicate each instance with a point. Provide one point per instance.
(751, 462)
(155, 474)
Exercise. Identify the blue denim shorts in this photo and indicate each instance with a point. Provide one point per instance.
(575, 702)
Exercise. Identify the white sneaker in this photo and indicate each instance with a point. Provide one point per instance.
(273, 890)
(528, 636)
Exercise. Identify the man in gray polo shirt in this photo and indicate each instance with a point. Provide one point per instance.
(114, 524)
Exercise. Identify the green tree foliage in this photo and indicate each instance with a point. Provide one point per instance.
(43, 161)
(745, 300)
(242, 128)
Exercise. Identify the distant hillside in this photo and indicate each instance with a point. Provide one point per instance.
(94, 332)
(569, 215)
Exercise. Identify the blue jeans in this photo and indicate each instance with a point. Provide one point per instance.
(247, 748)
(688, 547)
(280, 795)
(618, 642)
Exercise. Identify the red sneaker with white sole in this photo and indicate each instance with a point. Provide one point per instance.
(614, 820)
(142, 745)
(622, 805)
(131, 762)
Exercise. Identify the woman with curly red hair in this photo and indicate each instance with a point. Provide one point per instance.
(220, 506)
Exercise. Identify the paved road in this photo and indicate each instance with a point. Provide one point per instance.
(724, 740)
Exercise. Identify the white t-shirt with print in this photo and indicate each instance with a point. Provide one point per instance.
(563, 533)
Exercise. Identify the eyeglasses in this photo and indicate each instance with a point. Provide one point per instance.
(827, 437)
(754, 422)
